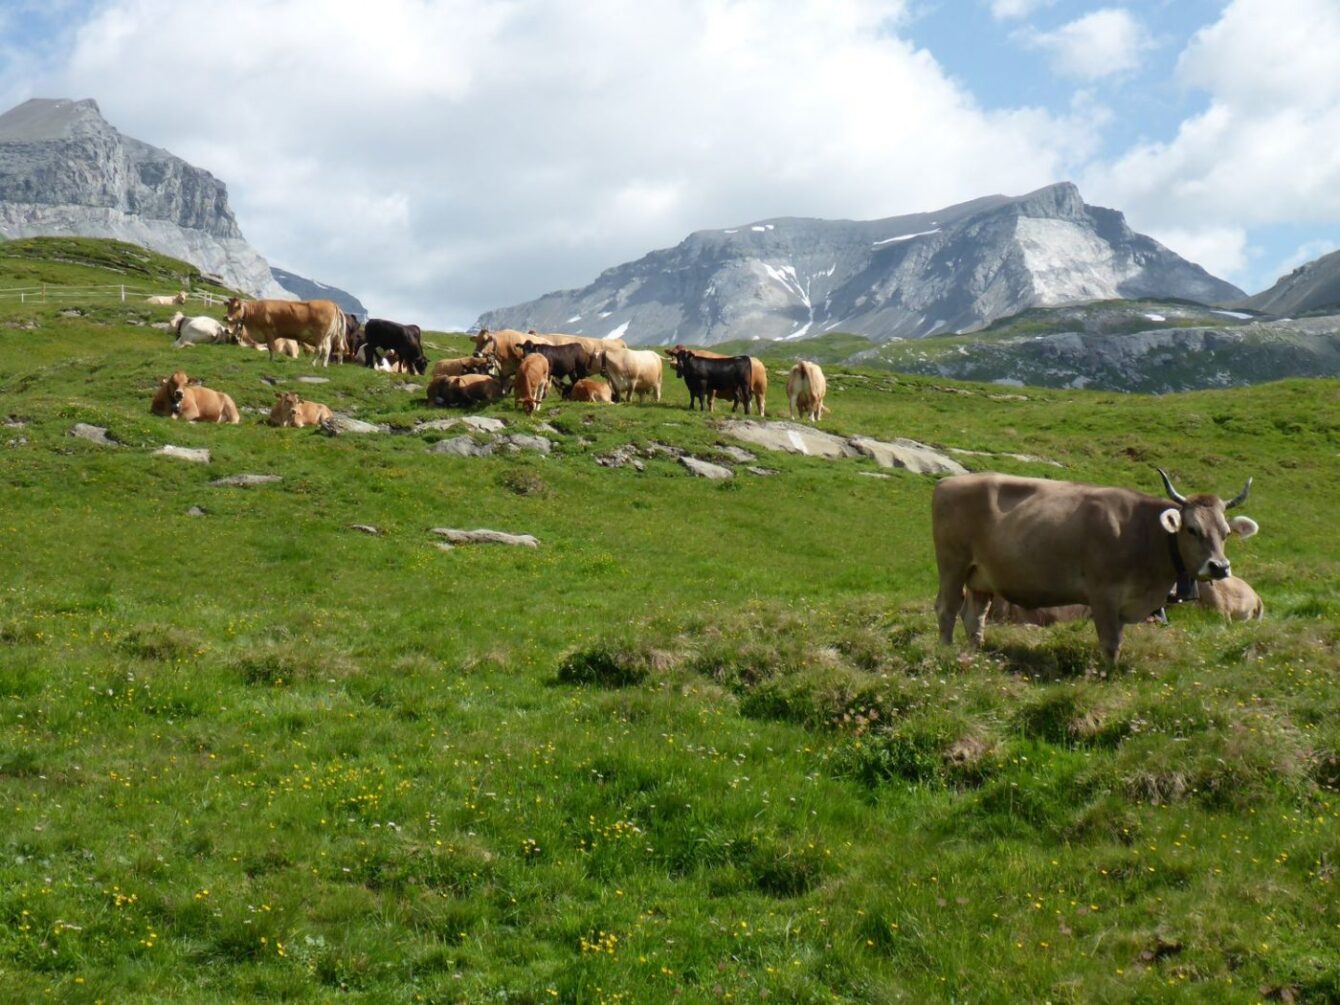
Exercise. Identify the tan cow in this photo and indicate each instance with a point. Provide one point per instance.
(167, 301)
(1041, 543)
(316, 323)
(632, 371)
(589, 389)
(468, 389)
(758, 376)
(461, 366)
(178, 398)
(805, 390)
(504, 345)
(593, 344)
(292, 411)
(532, 381)
(1232, 598)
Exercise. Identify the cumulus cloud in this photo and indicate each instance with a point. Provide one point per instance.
(1105, 43)
(1263, 151)
(1009, 10)
(443, 157)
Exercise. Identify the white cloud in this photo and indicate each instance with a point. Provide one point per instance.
(442, 157)
(1009, 10)
(1104, 43)
(1264, 149)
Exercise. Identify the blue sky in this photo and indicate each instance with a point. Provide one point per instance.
(443, 157)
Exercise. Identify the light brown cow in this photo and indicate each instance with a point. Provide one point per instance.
(292, 411)
(632, 371)
(592, 344)
(589, 389)
(504, 345)
(167, 301)
(532, 381)
(317, 323)
(758, 376)
(468, 389)
(1232, 598)
(462, 365)
(1041, 543)
(805, 390)
(178, 398)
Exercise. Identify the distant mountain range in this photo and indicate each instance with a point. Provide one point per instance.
(1309, 289)
(953, 270)
(310, 289)
(66, 172)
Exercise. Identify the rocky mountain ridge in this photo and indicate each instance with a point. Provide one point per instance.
(1312, 287)
(953, 270)
(65, 171)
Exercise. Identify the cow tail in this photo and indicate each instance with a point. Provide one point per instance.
(335, 336)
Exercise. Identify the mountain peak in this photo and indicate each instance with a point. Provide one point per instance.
(39, 119)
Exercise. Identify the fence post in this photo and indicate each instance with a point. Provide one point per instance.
(123, 293)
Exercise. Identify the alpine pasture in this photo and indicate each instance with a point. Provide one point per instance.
(701, 745)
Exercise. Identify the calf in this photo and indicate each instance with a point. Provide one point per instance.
(1232, 598)
(592, 390)
(178, 398)
(572, 361)
(198, 330)
(403, 340)
(706, 378)
(532, 380)
(469, 389)
(290, 410)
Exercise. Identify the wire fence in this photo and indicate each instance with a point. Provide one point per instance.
(47, 293)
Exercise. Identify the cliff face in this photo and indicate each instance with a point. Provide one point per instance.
(956, 269)
(64, 171)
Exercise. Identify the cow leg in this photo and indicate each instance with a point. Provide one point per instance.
(975, 607)
(1107, 620)
(761, 405)
(948, 603)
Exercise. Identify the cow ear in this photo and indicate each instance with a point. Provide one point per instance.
(1243, 526)
(1171, 519)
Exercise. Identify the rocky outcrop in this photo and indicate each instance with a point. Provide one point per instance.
(956, 269)
(795, 438)
(1310, 288)
(64, 171)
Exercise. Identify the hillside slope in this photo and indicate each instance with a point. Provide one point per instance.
(1313, 287)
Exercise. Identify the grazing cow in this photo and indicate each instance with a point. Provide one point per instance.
(571, 361)
(1041, 543)
(463, 365)
(389, 336)
(469, 389)
(758, 376)
(706, 378)
(316, 323)
(178, 398)
(198, 330)
(532, 380)
(1232, 598)
(505, 346)
(292, 411)
(805, 390)
(591, 390)
(632, 371)
(177, 298)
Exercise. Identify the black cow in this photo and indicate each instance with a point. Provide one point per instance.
(353, 335)
(706, 378)
(572, 361)
(389, 336)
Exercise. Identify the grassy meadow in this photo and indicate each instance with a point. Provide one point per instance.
(701, 746)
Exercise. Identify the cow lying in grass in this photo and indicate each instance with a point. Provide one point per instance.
(469, 389)
(178, 398)
(292, 411)
(197, 330)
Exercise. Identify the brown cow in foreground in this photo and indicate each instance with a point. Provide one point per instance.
(758, 375)
(316, 323)
(1232, 598)
(177, 398)
(805, 390)
(532, 381)
(1041, 543)
(292, 411)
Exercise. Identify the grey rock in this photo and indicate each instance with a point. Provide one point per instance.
(195, 511)
(462, 446)
(436, 425)
(621, 456)
(366, 528)
(901, 453)
(15, 423)
(245, 481)
(338, 425)
(17, 441)
(407, 385)
(705, 469)
(873, 474)
(64, 171)
(312, 380)
(521, 441)
(956, 269)
(197, 455)
(94, 434)
(795, 438)
(481, 536)
(738, 454)
(483, 423)
(762, 472)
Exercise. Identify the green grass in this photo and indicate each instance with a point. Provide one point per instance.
(702, 744)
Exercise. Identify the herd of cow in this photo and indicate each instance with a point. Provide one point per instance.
(1024, 549)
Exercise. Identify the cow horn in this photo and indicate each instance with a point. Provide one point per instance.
(1173, 494)
(1241, 497)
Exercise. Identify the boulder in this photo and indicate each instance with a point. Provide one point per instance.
(245, 481)
(94, 434)
(902, 453)
(455, 537)
(706, 469)
(520, 441)
(338, 425)
(462, 446)
(789, 436)
(199, 455)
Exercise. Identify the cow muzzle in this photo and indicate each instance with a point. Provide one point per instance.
(1215, 570)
